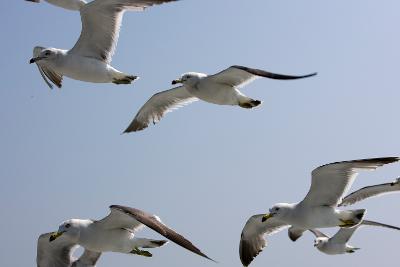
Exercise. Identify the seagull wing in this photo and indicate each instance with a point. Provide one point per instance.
(67, 4)
(239, 76)
(318, 233)
(118, 219)
(59, 253)
(56, 253)
(372, 223)
(101, 22)
(123, 217)
(344, 234)
(331, 181)
(46, 71)
(87, 259)
(159, 104)
(371, 191)
(252, 239)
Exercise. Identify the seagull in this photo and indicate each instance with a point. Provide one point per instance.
(117, 233)
(317, 210)
(89, 60)
(338, 243)
(371, 191)
(221, 89)
(67, 4)
(59, 253)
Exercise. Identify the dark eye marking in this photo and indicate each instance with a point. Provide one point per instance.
(68, 225)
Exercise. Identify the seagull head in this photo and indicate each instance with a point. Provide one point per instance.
(278, 211)
(45, 54)
(319, 241)
(395, 182)
(189, 78)
(70, 228)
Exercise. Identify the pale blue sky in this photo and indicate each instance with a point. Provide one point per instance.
(204, 169)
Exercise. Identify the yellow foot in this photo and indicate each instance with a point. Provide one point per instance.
(250, 104)
(125, 80)
(347, 223)
(139, 252)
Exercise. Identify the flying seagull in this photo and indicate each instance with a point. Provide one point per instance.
(117, 231)
(317, 210)
(371, 191)
(89, 60)
(59, 253)
(338, 243)
(67, 4)
(221, 89)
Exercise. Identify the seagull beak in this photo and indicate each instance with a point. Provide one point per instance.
(176, 81)
(55, 235)
(266, 217)
(35, 59)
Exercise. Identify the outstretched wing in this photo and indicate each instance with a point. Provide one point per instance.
(118, 219)
(87, 259)
(131, 218)
(46, 71)
(318, 233)
(331, 181)
(239, 76)
(371, 191)
(58, 253)
(252, 239)
(101, 22)
(344, 234)
(67, 4)
(159, 104)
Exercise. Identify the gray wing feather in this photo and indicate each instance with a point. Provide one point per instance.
(46, 71)
(117, 220)
(158, 105)
(372, 223)
(154, 223)
(58, 253)
(344, 234)
(318, 233)
(87, 259)
(239, 76)
(54, 254)
(252, 240)
(331, 181)
(101, 23)
(371, 191)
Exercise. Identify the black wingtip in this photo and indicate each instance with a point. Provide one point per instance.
(267, 74)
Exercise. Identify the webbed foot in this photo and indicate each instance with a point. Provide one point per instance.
(139, 252)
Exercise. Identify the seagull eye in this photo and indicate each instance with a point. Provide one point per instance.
(68, 225)
(47, 53)
(277, 209)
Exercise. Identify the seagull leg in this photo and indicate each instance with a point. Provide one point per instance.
(139, 252)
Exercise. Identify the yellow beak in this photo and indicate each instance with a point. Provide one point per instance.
(55, 235)
(266, 217)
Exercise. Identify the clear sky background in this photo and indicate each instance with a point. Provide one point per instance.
(204, 169)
